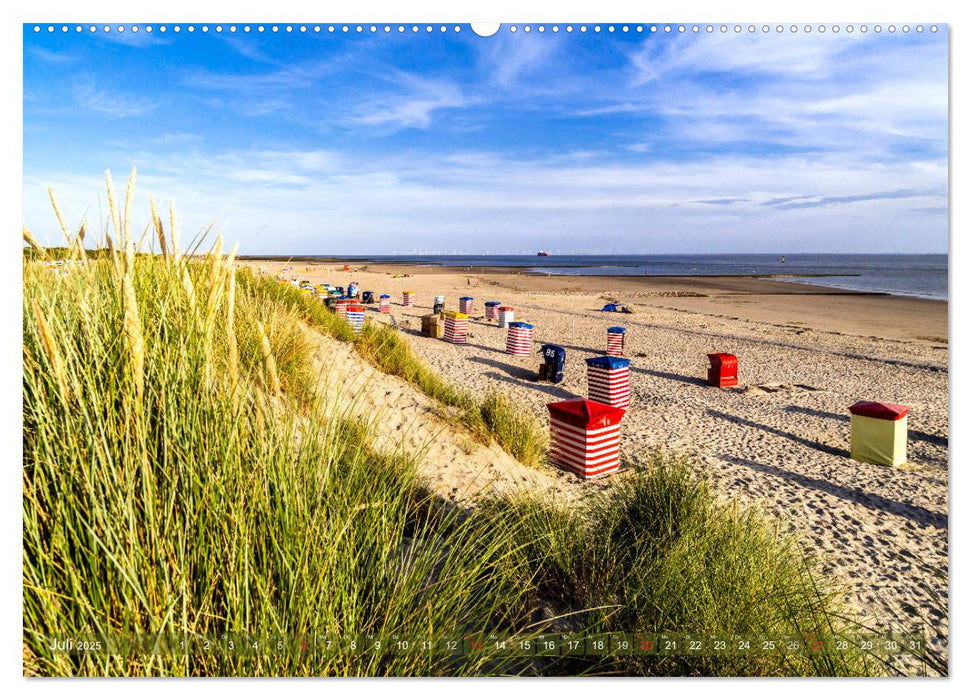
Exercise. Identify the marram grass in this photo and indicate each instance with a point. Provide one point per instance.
(190, 492)
(495, 417)
(186, 511)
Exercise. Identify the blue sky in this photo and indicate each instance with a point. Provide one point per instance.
(578, 142)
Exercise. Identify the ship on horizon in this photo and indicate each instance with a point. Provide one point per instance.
(543, 253)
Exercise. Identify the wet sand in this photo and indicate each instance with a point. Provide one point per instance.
(752, 298)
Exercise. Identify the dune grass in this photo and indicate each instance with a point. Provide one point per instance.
(382, 346)
(194, 498)
(657, 554)
(179, 480)
(495, 417)
(514, 429)
(301, 305)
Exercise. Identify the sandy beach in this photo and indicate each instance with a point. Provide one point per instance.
(780, 440)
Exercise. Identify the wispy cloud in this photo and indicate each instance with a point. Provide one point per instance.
(55, 57)
(724, 201)
(815, 92)
(111, 102)
(809, 201)
(140, 38)
(758, 54)
(487, 196)
(509, 59)
(295, 76)
(411, 105)
(248, 48)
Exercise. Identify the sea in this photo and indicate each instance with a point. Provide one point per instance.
(908, 275)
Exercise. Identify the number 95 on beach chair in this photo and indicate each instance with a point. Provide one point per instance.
(554, 358)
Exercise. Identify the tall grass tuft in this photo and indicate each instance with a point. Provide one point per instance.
(303, 307)
(273, 382)
(159, 231)
(383, 347)
(514, 429)
(57, 213)
(494, 418)
(658, 554)
(134, 340)
(232, 346)
(51, 352)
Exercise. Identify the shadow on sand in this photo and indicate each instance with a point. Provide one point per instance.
(845, 418)
(522, 377)
(521, 373)
(551, 389)
(580, 349)
(813, 444)
(697, 381)
(486, 348)
(917, 514)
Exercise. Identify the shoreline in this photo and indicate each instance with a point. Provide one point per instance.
(757, 300)
(419, 267)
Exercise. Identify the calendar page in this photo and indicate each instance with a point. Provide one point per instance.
(543, 349)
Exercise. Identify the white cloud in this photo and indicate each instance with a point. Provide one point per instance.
(130, 38)
(295, 76)
(49, 56)
(112, 102)
(412, 106)
(800, 56)
(510, 58)
(320, 202)
(812, 92)
(835, 128)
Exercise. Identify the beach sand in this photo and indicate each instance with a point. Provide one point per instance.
(779, 441)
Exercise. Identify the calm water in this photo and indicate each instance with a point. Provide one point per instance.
(911, 275)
